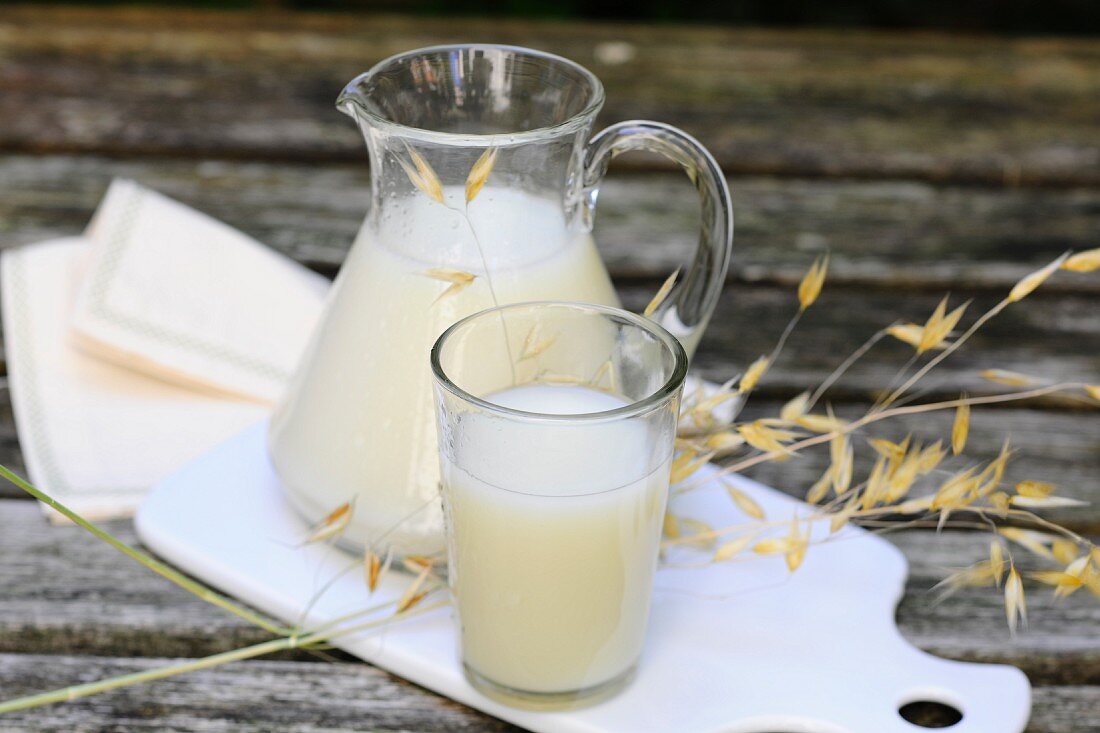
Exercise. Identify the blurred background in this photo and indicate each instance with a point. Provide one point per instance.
(1013, 16)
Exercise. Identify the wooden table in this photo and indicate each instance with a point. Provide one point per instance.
(924, 163)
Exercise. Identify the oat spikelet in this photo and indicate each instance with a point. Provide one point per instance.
(732, 548)
(912, 334)
(375, 568)
(752, 375)
(554, 378)
(977, 575)
(480, 172)
(605, 374)
(533, 345)
(421, 175)
(1045, 502)
(893, 451)
(1034, 489)
(796, 547)
(1066, 582)
(332, 525)
(821, 423)
(686, 464)
(1087, 261)
(796, 408)
(877, 485)
(671, 526)
(662, 293)
(1005, 377)
(458, 280)
(1028, 284)
(1029, 539)
(961, 428)
(1064, 550)
(413, 594)
(820, 488)
(939, 325)
(990, 477)
(1015, 604)
(839, 520)
(764, 438)
(702, 413)
(996, 561)
(842, 470)
(771, 546)
(929, 457)
(744, 502)
(810, 286)
(724, 442)
(1000, 503)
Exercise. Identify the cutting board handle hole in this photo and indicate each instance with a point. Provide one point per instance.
(930, 714)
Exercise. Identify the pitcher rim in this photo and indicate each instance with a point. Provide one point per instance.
(348, 96)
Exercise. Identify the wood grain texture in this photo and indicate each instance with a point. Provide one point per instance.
(885, 234)
(826, 103)
(252, 697)
(260, 696)
(66, 593)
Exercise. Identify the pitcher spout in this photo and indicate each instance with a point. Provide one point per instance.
(352, 100)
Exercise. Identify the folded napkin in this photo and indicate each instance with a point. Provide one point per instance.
(144, 343)
(174, 293)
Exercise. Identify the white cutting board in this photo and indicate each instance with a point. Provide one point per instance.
(743, 647)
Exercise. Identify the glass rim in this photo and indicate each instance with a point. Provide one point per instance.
(349, 95)
(662, 394)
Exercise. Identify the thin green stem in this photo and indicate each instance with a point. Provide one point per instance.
(149, 675)
(248, 652)
(492, 290)
(784, 336)
(881, 402)
(158, 567)
(844, 367)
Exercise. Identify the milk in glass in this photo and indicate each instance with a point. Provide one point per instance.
(366, 431)
(554, 533)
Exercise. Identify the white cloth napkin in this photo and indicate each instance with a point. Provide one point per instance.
(144, 343)
(172, 292)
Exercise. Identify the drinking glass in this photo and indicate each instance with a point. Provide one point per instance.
(556, 428)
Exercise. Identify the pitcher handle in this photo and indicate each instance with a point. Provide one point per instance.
(688, 306)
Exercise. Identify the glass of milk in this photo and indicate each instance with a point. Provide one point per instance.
(556, 427)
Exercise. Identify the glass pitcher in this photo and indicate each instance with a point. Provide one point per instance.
(483, 191)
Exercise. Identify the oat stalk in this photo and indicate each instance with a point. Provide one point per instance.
(162, 569)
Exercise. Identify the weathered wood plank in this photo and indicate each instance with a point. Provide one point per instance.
(829, 103)
(256, 697)
(67, 593)
(881, 234)
(248, 697)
